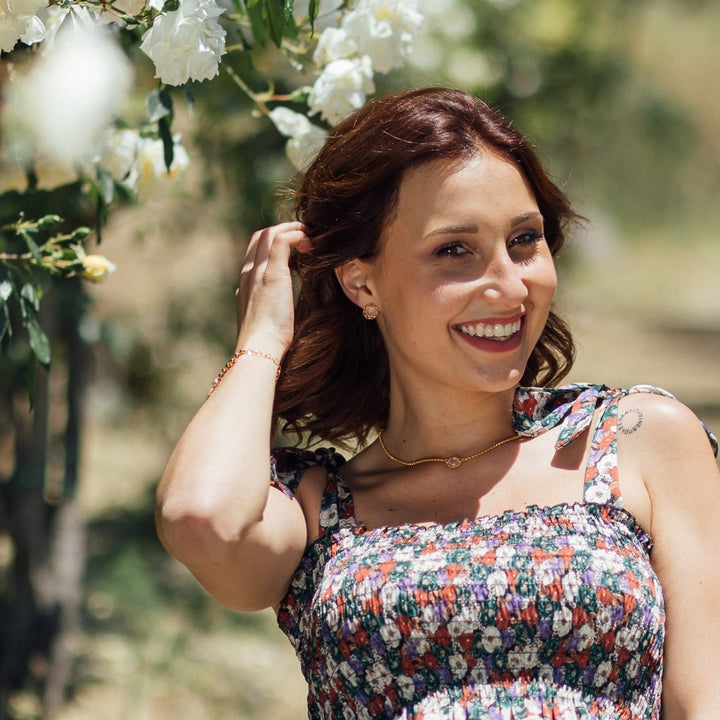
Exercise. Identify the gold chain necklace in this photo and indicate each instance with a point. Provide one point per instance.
(453, 462)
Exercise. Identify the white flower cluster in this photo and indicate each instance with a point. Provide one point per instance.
(138, 163)
(60, 108)
(187, 43)
(58, 113)
(375, 36)
(305, 138)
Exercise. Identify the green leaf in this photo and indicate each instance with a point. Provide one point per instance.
(189, 96)
(39, 341)
(313, 10)
(5, 327)
(275, 19)
(29, 300)
(49, 222)
(158, 104)
(105, 184)
(101, 216)
(33, 248)
(290, 29)
(257, 23)
(80, 233)
(167, 141)
(124, 194)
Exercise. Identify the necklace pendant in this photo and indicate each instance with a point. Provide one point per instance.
(453, 462)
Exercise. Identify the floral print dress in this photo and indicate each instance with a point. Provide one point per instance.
(549, 612)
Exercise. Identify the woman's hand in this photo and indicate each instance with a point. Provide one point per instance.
(265, 291)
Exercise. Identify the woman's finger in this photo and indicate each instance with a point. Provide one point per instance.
(262, 240)
(282, 237)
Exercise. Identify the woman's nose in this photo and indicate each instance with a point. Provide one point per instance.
(503, 282)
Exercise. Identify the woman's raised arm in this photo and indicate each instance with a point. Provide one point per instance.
(215, 512)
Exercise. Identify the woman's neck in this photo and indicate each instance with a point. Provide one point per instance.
(442, 422)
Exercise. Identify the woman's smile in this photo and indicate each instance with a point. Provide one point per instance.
(492, 335)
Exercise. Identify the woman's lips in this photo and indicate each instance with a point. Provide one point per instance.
(493, 334)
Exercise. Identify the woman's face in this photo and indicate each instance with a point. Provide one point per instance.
(464, 277)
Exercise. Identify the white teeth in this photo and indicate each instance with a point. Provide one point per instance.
(491, 330)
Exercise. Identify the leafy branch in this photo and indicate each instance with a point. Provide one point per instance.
(29, 250)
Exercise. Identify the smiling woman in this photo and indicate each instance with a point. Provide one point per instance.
(502, 549)
(346, 198)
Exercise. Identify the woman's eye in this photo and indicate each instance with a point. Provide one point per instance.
(450, 250)
(527, 237)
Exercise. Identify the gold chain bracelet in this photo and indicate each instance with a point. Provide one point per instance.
(236, 356)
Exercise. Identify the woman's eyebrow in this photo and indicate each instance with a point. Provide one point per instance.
(525, 217)
(454, 230)
(473, 229)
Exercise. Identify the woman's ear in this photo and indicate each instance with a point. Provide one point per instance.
(354, 279)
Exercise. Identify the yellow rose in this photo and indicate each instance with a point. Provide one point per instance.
(97, 268)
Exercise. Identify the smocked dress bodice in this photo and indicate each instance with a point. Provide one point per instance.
(548, 612)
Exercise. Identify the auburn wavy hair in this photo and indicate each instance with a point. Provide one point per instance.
(335, 381)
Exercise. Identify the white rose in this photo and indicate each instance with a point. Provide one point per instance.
(62, 106)
(288, 122)
(333, 44)
(186, 44)
(341, 88)
(384, 30)
(305, 138)
(19, 21)
(53, 18)
(154, 179)
(97, 268)
(120, 154)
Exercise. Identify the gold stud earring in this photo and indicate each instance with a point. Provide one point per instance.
(371, 311)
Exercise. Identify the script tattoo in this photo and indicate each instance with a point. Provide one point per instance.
(630, 421)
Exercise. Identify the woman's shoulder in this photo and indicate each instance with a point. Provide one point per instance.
(574, 406)
(661, 422)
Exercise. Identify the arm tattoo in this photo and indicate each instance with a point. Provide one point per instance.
(630, 421)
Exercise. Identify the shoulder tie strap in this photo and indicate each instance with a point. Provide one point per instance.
(602, 485)
(288, 465)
